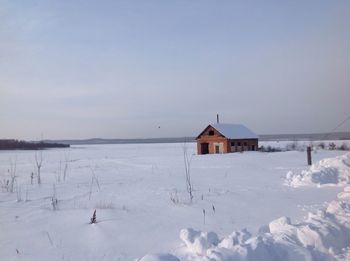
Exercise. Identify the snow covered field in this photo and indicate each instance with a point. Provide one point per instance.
(139, 192)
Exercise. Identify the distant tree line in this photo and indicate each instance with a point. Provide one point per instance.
(11, 144)
(301, 147)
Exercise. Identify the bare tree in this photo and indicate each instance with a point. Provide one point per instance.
(54, 200)
(38, 163)
(26, 199)
(94, 179)
(19, 192)
(187, 162)
(12, 171)
(65, 167)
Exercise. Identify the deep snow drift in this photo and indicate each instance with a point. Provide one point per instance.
(332, 171)
(141, 203)
(324, 235)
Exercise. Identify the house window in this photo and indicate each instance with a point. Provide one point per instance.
(245, 143)
(232, 144)
(211, 133)
(238, 144)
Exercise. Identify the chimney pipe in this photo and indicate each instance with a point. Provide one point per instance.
(217, 119)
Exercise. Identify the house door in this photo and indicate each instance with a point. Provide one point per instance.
(204, 148)
(219, 147)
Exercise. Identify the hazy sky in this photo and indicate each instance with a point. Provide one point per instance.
(120, 69)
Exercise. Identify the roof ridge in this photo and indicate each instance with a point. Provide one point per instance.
(235, 131)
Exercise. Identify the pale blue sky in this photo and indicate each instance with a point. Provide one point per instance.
(120, 69)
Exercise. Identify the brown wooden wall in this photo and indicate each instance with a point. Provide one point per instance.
(243, 145)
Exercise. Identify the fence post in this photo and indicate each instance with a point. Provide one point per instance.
(309, 161)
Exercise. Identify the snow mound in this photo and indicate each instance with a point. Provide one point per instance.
(158, 257)
(332, 171)
(198, 242)
(322, 236)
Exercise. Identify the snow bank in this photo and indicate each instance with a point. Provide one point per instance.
(332, 171)
(323, 236)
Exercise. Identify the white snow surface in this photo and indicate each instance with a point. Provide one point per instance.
(323, 235)
(139, 193)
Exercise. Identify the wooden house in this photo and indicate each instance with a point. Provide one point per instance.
(226, 138)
